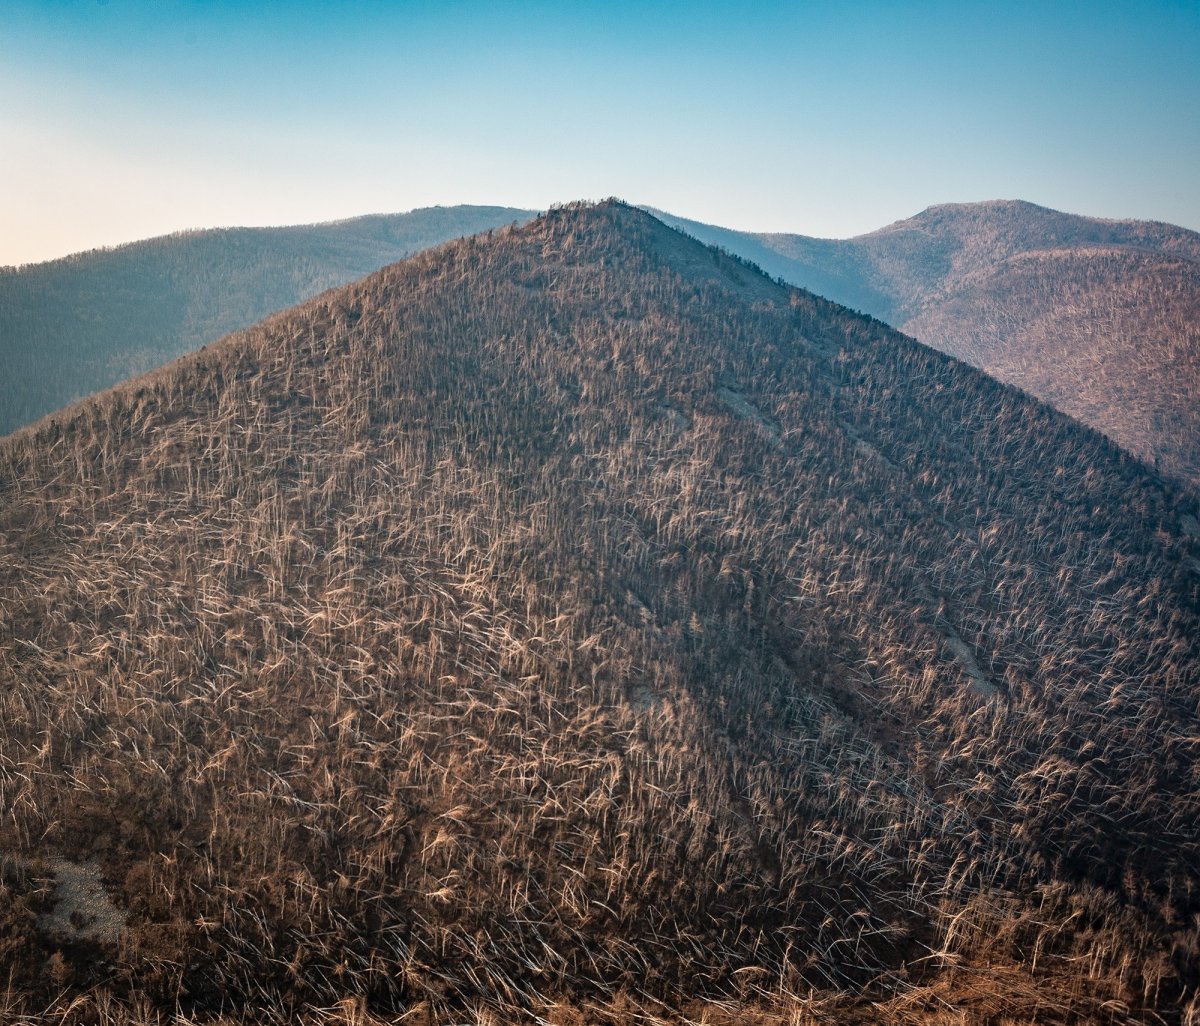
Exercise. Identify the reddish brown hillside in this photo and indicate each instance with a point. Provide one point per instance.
(1109, 336)
(1099, 318)
(573, 626)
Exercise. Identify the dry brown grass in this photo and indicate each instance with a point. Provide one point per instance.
(453, 649)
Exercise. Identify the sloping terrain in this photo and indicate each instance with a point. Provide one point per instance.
(574, 626)
(71, 327)
(1099, 318)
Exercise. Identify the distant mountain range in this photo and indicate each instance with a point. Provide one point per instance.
(73, 326)
(1099, 318)
(572, 625)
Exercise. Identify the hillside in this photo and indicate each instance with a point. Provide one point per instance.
(572, 625)
(71, 327)
(1099, 318)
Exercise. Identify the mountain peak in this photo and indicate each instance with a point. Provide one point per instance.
(1031, 224)
(548, 628)
(994, 206)
(962, 218)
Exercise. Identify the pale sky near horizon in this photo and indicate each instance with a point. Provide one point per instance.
(126, 119)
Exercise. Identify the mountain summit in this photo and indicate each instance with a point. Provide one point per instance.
(1099, 318)
(573, 625)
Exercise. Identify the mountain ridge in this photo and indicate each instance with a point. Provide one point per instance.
(573, 624)
(91, 319)
(963, 277)
(381, 220)
(990, 283)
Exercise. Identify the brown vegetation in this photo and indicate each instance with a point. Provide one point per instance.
(74, 326)
(1111, 337)
(1099, 318)
(572, 626)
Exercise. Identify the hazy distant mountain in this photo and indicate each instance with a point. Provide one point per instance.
(1099, 318)
(575, 626)
(70, 327)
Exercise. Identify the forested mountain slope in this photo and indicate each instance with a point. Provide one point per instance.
(73, 326)
(1099, 318)
(572, 626)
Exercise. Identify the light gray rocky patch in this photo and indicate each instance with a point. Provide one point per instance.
(740, 405)
(966, 659)
(83, 910)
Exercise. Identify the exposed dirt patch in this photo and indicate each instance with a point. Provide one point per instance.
(966, 659)
(960, 649)
(642, 697)
(867, 448)
(82, 909)
(678, 421)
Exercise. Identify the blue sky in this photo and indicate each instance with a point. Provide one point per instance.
(126, 119)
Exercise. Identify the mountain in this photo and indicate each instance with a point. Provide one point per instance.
(573, 625)
(73, 326)
(1099, 318)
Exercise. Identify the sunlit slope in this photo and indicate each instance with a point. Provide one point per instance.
(573, 625)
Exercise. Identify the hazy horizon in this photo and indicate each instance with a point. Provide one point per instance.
(131, 120)
(192, 229)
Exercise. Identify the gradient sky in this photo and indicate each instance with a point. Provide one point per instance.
(123, 119)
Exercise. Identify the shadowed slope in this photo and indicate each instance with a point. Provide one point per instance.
(574, 626)
(1099, 318)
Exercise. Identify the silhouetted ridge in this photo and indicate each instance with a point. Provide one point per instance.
(572, 625)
